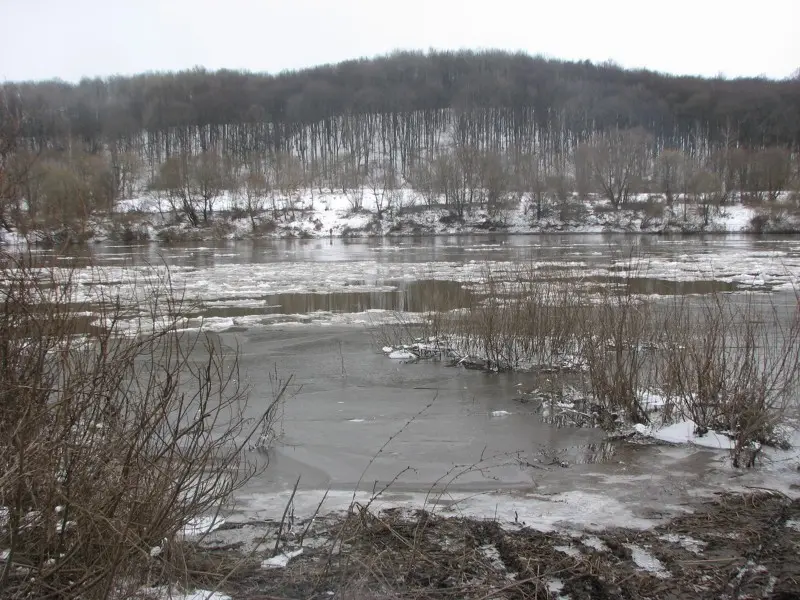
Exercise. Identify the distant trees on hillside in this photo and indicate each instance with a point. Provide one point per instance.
(463, 128)
(404, 104)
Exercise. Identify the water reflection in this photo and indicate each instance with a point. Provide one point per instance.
(597, 453)
(410, 296)
(664, 287)
(591, 248)
(579, 454)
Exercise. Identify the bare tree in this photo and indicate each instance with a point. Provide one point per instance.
(14, 165)
(532, 181)
(192, 183)
(175, 180)
(207, 178)
(771, 172)
(584, 175)
(382, 181)
(671, 173)
(127, 169)
(616, 161)
(458, 174)
(256, 187)
(704, 187)
(425, 181)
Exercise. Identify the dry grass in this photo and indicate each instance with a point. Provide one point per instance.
(727, 362)
(732, 365)
(743, 546)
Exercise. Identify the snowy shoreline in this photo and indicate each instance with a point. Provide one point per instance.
(314, 215)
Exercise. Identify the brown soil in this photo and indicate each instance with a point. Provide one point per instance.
(732, 547)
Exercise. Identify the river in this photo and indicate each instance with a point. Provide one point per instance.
(310, 309)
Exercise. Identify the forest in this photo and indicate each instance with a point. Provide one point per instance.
(459, 127)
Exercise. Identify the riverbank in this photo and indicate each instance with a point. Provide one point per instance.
(328, 214)
(730, 546)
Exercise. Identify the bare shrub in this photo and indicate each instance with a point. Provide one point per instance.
(518, 318)
(726, 362)
(759, 222)
(732, 366)
(569, 211)
(113, 437)
(615, 347)
(652, 211)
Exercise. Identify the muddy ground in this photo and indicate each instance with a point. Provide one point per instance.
(734, 546)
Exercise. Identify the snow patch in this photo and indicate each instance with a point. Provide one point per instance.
(402, 355)
(202, 525)
(595, 543)
(689, 543)
(568, 550)
(168, 593)
(647, 562)
(684, 432)
(281, 561)
(491, 552)
(546, 513)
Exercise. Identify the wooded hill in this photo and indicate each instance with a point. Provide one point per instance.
(460, 128)
(494, 99)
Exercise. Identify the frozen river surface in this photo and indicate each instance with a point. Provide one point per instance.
(309, 308)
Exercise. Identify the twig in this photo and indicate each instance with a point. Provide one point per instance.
(283, 518)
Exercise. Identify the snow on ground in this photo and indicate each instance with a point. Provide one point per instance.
(202, 525)
(492, 554)
(647, 562)
(309, 212)
(689, 543)
(280, 561)
(736, 218)
(568, 550)
(170, 593)
(684, 432)
(12, 239)
(566, 511)
(595, 543)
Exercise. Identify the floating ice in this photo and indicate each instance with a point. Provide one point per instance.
(499, 413)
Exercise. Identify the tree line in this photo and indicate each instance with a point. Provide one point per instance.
(406, 100)
(460, 128)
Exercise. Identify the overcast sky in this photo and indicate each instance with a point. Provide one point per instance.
(70, 39)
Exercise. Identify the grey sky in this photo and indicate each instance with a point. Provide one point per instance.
(74, 38)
